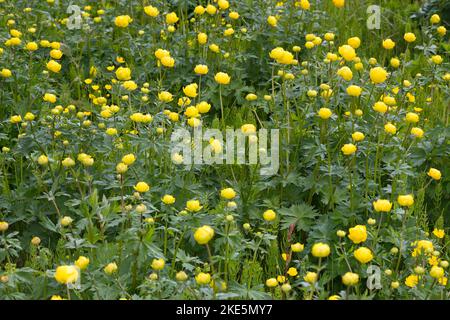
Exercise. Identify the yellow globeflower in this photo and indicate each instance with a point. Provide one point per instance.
(348, 149)
(390, 128)
(388, 44)
(228, 193)
(222, 78)
(358, 136)
(66, 274)
(201, 69)
(363, 255)
(354, 42)
(435, 19)
(439, 233)
(203, 278)
(3, 226)
(350, 279)
(437, 272)
(151, 11)
(357, 234)
(123, 21)
(158, 264)
(409, 37)
(382, 205)
(269, 215)
(141, 187)
(347, 52)
(320, 250)
(310, 277)
(297, 247)
(191, 90)
(123, 73)
(128, 159)
(203, 234)
(405, 200)
(412, 280)
(434, 173)
(339, 3)
(412, 117)
(325, 113)
(53, 66)
(354, 91)
(378, 75)
(193, 206)
(110, 268)
(168, 199)
(272, 21)
(171, 18)
(82, 262)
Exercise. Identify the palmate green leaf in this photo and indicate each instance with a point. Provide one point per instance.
(301, 215)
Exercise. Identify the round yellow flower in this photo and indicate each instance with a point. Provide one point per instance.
(110, 268)
(3, 226)
(53, 66)
(168, 199)
(272, 21)
(128, 159)
(204, 234)
(171, 18)
(191, 90)
(390, 128)
(123, 21)
(347, 52)
(82, 262)
(409, 37)
(378, 75)
(354, 42)
(222, 78)
(151, 11)
(417, 132)
(388, 44)
(297, 247)
(348, 149)
(158, 264)
(193, 205)
(412, 280)
(354, 91)
(435, 19)
(380, 107)
(123, 73)
(358, 136)
(269, 215)
(434, 173)
(228, 193)
(310, 277)
(203, 278)
(357, 234)
(201, 69)
(363, 255)
(325, 113)
(339, 3)
(382, 205)
(350, 279)
(436, 272)
(141, 187)
(66, 221)
(66, 274)
(43, 160)
(320, 250)
(405, 200)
